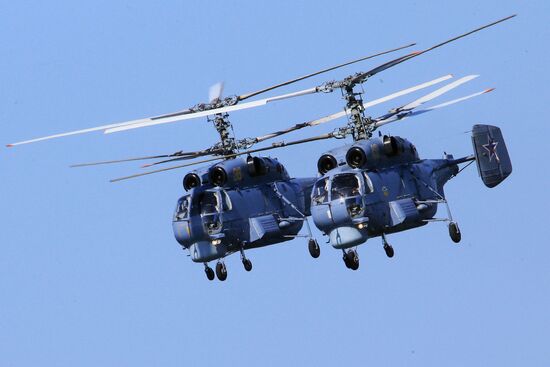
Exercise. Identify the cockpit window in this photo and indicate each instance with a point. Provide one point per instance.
(182, 209)
(209, 203)
(344, 185)
(320, 191)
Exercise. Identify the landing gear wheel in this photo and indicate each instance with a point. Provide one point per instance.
(351, 259)
(454, 232)
(346, 260)
(389, 250)
(221, 271)
(209, 272)
(247, 264)
(314, 249)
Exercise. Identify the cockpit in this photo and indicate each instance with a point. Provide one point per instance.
(345, 185)
(341, 186)
(345, 193)
(206, 204)
(212, 204)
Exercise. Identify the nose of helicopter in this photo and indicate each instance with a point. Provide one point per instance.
(348, 236)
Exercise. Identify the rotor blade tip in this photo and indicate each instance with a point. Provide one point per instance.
(146, 165)
(489, 90)
(9, 145)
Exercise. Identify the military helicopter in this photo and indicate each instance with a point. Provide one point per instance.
(378, 186)
(218, 217)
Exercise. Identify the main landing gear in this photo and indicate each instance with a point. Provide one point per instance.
(387, 247)
(246, 263)
(351, 259)
(209, 272)
(221, 271)
(314, 249)
(454, 232)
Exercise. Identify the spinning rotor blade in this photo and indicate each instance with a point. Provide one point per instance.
(362, 77)
(410, 112)
(252, 94)
(215, 92)
(273, 146)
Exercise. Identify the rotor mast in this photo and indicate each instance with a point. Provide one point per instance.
(359, 126)
(225, 130)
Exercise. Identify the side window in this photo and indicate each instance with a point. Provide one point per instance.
(227, 206)
(368, 183)
(182, 209)
(320, 192)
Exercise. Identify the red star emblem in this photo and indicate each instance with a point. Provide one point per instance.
(491, 148)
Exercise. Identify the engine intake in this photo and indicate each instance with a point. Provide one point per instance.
(325, 163)
(218, 176)
(356, 157)
(191, 180)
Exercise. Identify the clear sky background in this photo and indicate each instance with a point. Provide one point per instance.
(90, 274)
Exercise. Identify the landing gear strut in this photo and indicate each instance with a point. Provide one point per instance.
(314, 249)
(246, 263)
(351, 259)
(221, 271)
(209, 272)
(454, 232)
(387, 247)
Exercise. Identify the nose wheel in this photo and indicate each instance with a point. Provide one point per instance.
(221, 271)
(314, 249)
(454, 232)
(209, 272)
(351, 259)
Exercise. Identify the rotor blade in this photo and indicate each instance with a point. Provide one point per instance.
(177, 154)
(199, 154)
(242, 106)
(215, 92)
(363, 76)
(337, 115)
(273, 146)
(252, 94)
(410, 113)
(428, 97)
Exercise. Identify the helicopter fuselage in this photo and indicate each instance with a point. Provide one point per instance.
(244, 211)
(388, 191)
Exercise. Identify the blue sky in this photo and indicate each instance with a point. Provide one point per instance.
(90, 273)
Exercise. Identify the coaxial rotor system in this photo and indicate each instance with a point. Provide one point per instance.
(359, 125)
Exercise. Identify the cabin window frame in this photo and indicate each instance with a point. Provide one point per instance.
(360, 186)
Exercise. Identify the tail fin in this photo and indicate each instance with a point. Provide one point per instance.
(493, 161)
